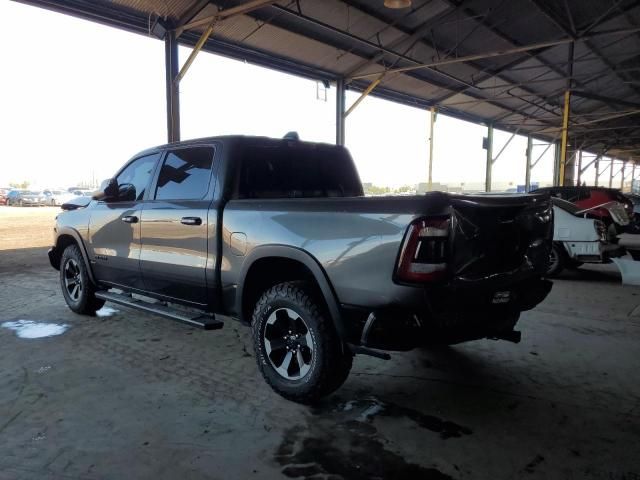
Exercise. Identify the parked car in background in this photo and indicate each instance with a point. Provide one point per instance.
(279, 235)
(82, 193)
(26, 198)
(594, 201)
(57, 197)
(635, 199)
(4, 192)
(578, 240)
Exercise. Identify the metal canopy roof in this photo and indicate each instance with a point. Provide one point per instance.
(506, 62)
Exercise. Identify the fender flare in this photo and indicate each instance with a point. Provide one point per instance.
(83, 250)
(305, 258)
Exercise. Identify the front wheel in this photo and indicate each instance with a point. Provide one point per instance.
(298, 350)
(77, 289)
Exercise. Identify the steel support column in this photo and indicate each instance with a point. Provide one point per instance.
(527, 174)
(633, 175)
(173, 95)
(340, 116)
(579, 179)
(597, 170)
(564, 137)
(611, 173)
(624, 164)
(489, 147)
(431, 138)
(556, 163)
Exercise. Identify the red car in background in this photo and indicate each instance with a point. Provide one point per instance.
(590, 197)
(3, 195)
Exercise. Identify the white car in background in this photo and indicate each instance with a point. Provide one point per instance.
(578, 240)
(57, 197)
(82, 193)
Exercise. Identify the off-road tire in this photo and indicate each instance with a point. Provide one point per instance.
(86, 302)
(331, 360)
(557, 260)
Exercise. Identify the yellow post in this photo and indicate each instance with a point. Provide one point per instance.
(565, 132)
(431, 136)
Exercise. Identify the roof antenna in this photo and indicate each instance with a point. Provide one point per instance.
(292, 136)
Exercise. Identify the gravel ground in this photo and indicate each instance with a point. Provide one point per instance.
(127, 395)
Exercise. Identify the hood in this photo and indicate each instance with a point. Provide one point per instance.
(75, 203)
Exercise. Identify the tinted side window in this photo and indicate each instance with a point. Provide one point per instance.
(138, 173)
(185, 174)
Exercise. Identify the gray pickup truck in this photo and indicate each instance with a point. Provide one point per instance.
(278, 234)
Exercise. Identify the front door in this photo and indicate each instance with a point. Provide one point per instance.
(114, 229)
(176, 226)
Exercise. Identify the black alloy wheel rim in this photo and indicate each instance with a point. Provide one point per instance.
(73, 279)
(288, 344)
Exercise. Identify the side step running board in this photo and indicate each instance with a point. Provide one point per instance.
(207, 322)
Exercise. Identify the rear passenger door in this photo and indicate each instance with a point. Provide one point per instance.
(176, 226)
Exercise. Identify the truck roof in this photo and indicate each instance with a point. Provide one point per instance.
(236, 139)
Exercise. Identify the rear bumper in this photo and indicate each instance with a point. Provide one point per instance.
(593, 252)
(448, 315)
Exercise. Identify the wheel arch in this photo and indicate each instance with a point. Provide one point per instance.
(69, 236)
(268, 265)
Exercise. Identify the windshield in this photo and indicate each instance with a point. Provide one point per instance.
(32, 192)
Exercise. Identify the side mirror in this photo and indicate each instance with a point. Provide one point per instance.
(126, 192)
(108, 190)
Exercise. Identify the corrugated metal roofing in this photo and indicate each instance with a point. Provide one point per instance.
(329, 39)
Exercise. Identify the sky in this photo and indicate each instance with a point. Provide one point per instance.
(79, 99)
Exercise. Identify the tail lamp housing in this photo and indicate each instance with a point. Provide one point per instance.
(601, 230)
(424, 253)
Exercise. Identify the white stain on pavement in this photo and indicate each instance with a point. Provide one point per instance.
(31, 329)
(106, 312)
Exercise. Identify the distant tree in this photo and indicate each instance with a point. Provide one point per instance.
(24, 184)
(375, 190)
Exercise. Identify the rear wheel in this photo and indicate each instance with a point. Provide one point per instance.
(77, 289)
(557, 260)
(297, 348)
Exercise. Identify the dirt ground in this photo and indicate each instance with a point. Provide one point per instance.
(127, 395)
(26, 227)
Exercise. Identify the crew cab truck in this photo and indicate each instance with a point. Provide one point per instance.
(278, 234)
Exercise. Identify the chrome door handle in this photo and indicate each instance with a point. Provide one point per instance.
(130, 219)
(191, 221)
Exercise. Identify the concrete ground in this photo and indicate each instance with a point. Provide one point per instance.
(127, 395)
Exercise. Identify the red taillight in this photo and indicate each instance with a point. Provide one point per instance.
(424, 254)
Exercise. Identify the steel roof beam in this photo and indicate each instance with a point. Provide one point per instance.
(470, 14)
(415, 36)
(196, 7)
(422, 78)
(584, 35)
(606, 100)
(510, 110)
